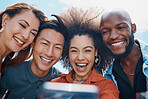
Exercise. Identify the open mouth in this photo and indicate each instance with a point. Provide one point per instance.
(46, 60)
(19, 41)
(117, 44)
(81, 67)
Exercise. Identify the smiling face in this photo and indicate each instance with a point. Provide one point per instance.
(82, 55)
(20, 30)
(117, 33)
(47, 51)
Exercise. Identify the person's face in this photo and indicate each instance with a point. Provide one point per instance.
(20, 30)
(117, 35)
(82, 54)
(47, 51)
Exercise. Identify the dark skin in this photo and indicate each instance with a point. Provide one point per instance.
(116, 29)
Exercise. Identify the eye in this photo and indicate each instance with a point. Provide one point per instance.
(58, 48)
(23, 26)
(121, 27)
(33, 33)
(44, 43)
(88, 50)
(104, 31)
(73, 51)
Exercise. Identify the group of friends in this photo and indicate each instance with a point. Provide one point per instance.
(98, 48)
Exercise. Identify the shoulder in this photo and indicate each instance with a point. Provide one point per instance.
(17, 68)
(106, 87)
(102, 81)
(16, 71)
(60, 79)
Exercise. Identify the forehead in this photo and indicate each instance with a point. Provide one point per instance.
(29, 17)
(113, 19)
(26, 14)
(51, 35)
(81, 41)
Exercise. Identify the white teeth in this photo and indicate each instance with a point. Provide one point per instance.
(81, 64)
(45, 59)
(117, 44)
(18, 41)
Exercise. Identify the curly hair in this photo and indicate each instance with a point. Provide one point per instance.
(85, 22)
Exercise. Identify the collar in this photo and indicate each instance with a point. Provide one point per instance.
(144, 50)
(92, 78)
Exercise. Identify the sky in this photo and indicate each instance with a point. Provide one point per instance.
(136, 8)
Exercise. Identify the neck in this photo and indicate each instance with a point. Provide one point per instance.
(129, 63)
(133, 57)
(79, 78)
(36, 71)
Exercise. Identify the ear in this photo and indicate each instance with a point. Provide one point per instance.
(134, 27)
(5, 18)
(96, 52)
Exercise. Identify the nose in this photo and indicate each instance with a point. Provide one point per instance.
(114, 34)
(26, 34)
(50, 51)
(80, 56)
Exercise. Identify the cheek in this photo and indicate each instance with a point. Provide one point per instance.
(39, 48)
(104, 38)
(31, 38)
(58, 54)
(90, 57)
(72, 57)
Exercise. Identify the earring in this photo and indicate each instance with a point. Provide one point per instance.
(97, 60)
(2, 29)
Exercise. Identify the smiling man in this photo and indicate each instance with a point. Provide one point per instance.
(128, 71)
(25, 80)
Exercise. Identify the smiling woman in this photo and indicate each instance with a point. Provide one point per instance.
(81, 53)
(19, 24)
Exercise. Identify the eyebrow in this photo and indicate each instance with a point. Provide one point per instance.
(73, 47)
(121, 23)
(103, 28)
(83, 48)
(29, 25)
(116, 25)
(25, 22)
(49, 41)
(35, 30)
(88, 47)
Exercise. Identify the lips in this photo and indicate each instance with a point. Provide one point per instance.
(81, 67)
(117, 44)
(19, 41)
(46, 60)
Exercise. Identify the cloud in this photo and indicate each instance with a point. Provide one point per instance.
(51, 5)
(136, 8)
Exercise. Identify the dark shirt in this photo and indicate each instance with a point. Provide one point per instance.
(22, 83)
(124, 85)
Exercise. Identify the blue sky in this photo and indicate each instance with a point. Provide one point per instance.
(136, 8)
